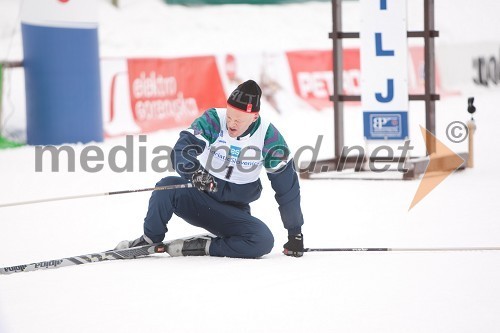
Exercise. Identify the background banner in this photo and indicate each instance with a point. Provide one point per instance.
(167, 93)
(167, 89)
(312, 75)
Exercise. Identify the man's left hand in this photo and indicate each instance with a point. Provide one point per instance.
(295, 246)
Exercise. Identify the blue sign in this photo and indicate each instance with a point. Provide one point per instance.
(385, 125)
(235, 151)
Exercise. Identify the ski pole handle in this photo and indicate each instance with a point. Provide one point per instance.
(158, 188)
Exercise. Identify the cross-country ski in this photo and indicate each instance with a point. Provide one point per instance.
(131, 253)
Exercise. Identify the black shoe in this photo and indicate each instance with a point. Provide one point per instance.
(191, 246)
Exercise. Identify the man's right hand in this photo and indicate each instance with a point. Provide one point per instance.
(204, 181)
(295, 246)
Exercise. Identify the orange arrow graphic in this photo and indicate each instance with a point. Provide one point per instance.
(442, 163)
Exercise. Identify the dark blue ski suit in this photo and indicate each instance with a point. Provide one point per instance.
(225, 213)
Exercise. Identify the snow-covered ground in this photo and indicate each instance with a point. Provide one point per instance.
(321, 292)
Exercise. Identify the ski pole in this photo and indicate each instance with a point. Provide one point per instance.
(158, 188)
(402, 249)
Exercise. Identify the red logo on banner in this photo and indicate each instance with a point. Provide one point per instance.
(167, 93)
(312, 73)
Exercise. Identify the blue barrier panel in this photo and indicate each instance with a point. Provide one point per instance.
(61, 62)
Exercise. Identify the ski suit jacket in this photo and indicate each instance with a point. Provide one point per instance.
(236, 163)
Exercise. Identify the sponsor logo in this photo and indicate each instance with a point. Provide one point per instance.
(162, 95)
(388, 123)
(385, 125)
(158, 97)
(232, 156)
(47, 264)
(245, 98)
(235, 151)
(19, 268)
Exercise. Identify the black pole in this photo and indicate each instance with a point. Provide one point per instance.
(402, 249)
(347, 249)
(159, 188)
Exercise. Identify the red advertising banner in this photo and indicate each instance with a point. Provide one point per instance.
(167, 93)
(312, 75)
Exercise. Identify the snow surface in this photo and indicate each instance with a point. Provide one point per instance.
(321, 292)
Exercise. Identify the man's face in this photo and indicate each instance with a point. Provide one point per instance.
(239, 121)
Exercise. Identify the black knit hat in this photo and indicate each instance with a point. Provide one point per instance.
(246, 97)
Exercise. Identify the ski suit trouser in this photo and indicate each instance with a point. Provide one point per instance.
(239, 234)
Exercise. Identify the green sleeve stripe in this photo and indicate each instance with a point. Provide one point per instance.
(275, 150)
(207, 125)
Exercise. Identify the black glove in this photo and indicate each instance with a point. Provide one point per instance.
(204, 181)
(295, 246)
